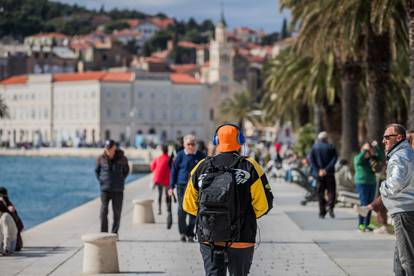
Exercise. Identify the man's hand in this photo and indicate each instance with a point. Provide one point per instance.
(322, 173)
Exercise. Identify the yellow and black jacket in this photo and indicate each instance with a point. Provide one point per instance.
(256, 198)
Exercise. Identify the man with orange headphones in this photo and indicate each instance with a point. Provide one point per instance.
(254, 197)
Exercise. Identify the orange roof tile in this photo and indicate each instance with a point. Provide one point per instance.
(178, 78)
(61, 77)
(15, 80)
(50, 35)
(118, 77)
(189, 44)
(85, 76)
(183, 68)
(133, 22)
(98, 76)
(162, 23)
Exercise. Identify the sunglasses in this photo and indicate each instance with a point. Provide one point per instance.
(388, 137)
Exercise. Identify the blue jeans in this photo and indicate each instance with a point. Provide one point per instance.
(366, 194)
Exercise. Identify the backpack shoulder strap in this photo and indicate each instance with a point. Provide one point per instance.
(238, 159)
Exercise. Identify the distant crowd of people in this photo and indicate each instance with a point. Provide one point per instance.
(221, 195)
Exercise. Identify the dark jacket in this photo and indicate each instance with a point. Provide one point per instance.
(111, 173)
(182, 166)
(256, 198)
(323, 156)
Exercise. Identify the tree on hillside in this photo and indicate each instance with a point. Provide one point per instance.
(284, 33)
(158, 42)
(115, 25)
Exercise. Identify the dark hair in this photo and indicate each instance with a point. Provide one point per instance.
(399, 129)
(109, 143)
(3, 207)
(164, 148)
(3, 191)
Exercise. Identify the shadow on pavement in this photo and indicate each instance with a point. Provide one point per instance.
(40, 251)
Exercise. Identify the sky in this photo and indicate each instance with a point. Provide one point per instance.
(256, 14)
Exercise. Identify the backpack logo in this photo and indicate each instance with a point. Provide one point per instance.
(241, 177)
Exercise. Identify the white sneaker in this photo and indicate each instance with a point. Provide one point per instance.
(361, 210)
(381, 230)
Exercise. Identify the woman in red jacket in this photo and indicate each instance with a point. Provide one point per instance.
(161, 170)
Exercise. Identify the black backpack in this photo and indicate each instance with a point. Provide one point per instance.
(218, 217)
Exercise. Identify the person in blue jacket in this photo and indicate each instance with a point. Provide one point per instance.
(323, 158)
(184, 162)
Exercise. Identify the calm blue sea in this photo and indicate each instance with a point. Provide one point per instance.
(44, 187)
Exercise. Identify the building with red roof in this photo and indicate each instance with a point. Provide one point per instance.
(75, 109)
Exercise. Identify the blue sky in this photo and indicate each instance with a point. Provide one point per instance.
(255, 14)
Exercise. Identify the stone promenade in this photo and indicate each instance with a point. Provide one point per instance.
(292, 241)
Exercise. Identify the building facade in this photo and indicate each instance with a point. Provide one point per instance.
(75, 109)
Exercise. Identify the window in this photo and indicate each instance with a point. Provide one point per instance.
(211, 114)
(108, 112)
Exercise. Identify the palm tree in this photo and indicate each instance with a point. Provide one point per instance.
(238, 108)
(318, 35)
(410, 13)
(360, 32)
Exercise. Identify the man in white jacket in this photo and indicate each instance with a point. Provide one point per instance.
(8, 230)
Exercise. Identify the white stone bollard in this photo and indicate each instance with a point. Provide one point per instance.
(100, 254)
(143, 212)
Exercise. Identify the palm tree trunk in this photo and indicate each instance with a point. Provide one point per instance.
(410, 9)
(317, 117)
(378, 74)
(351, 77)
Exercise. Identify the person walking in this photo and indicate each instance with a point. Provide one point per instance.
(4, 196)
(111, 171)
(161, 170)
(227, 235)
(184, 162)
(8, 230)
(365, 179)
(397, 192)
(323, 158)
